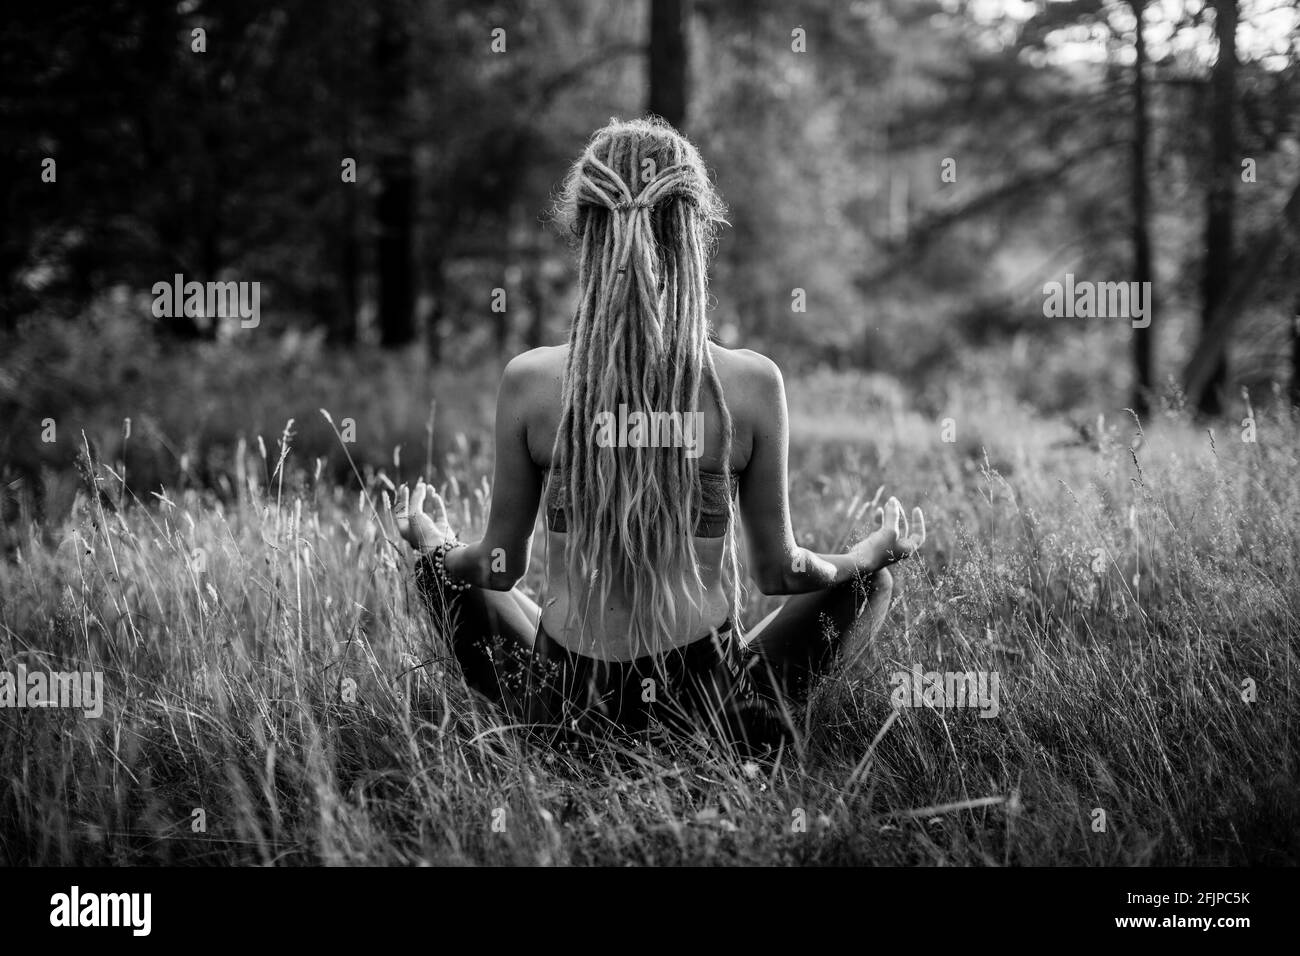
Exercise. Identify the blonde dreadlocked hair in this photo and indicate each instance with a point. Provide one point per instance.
(645, 216)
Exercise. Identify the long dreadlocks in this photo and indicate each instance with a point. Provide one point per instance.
(645, 214)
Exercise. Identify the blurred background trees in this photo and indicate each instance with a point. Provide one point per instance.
(918, 168)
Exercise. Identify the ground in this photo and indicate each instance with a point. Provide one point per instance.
(274, 693)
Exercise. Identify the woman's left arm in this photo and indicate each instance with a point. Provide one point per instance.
(500, 559)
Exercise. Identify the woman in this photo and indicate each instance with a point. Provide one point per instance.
(649, 442)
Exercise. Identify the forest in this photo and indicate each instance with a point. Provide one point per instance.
(1031, 263)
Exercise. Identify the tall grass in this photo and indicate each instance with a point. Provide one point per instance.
(268, 663)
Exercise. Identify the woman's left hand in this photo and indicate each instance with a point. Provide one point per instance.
(895, 540)
(424, 530)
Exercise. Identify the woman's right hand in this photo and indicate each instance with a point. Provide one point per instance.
(424, 531)
(895, 539)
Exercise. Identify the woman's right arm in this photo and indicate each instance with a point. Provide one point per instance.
(777, 563)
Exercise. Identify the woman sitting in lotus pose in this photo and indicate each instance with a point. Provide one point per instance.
(639, 626)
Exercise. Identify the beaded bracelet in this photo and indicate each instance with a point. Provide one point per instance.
(440, 569)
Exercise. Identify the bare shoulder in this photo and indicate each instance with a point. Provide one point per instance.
(539, 361)
(531, 375)
(530, 397)
(755, 394)
(748, 377)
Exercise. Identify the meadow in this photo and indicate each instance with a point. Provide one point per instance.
(275, 694)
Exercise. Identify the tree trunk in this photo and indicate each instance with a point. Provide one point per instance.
(396, 230)
(1223, 175)
(668, 59)
(395, 205)
(1295, 355)
(1246, 272)
(536, 300)
(342, 313)
(512, 272)
(438, 293)
(1143, 339)
(344, 330)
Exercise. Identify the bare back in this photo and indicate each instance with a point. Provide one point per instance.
(736, 370)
